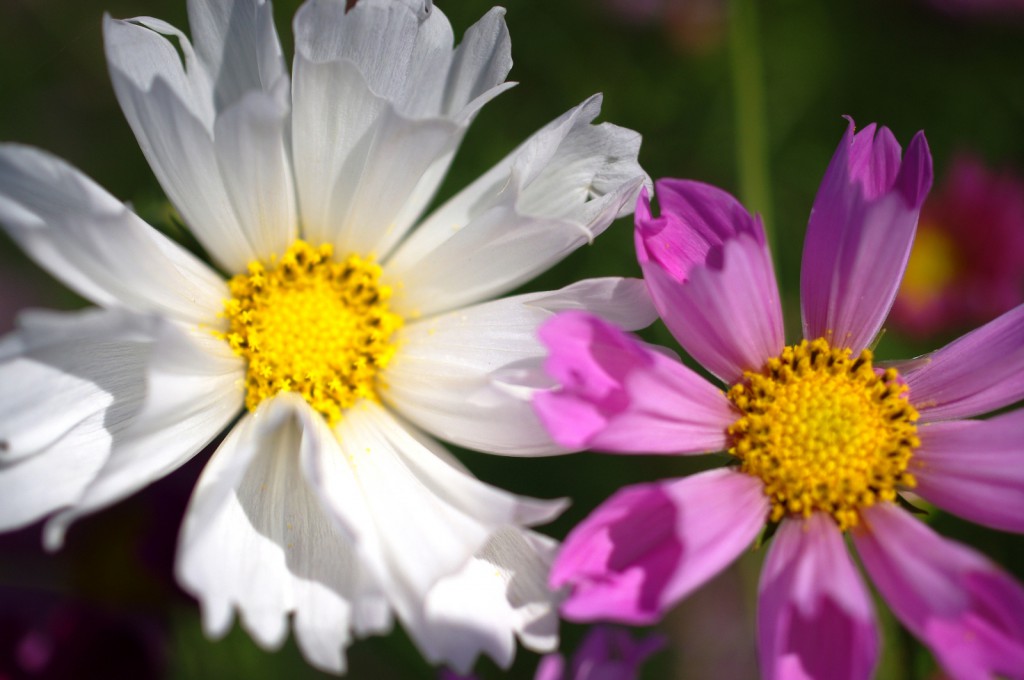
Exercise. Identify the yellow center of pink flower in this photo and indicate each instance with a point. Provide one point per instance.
(824, 431)
(933, 266)
(307, 324)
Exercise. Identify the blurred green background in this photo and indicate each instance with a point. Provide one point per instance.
(755, 107)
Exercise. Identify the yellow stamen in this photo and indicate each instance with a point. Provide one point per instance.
(824, 431)
(313, 326)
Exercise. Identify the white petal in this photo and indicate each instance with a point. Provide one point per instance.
(175, 132)
(502, 593)
(468, 376)
(90, 241)
(69, 385)
(255, 538)
(193, 390)
(357, 160)
(251, 140)
(238, 46)
(404, 50)
(560, 189)
(429, 516)
(140, 53)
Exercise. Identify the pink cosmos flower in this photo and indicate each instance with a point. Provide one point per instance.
(820, 439)
(967, 264)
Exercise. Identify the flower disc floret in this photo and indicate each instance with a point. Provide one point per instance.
(307, 324)
(825, 431)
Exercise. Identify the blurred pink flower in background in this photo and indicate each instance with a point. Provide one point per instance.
(967, 264)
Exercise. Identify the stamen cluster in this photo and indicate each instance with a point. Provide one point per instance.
(310, 325)
(824, 431)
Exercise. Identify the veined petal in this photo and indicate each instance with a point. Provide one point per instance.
(98, 247)
(977, 373)
(404, 50)
(468, 376)
(257, 538)
(419, 514)
(557, 191)
(964, 608)
(814, 615)
(175, 130)
(650, 545)
(193, 390)
(975, 469)
(707, 266)
(501, 594)
(70, 384)
(859, 235)
(617, 394)
(237, 43)
(357, 159)
(254, 157)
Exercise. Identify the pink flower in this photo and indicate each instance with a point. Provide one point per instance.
(820, 440)
(606, 653)
(967, 265)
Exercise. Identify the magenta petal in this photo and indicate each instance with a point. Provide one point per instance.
(964, 608)
(977, 373)
(975, 469)
(611, 653)
(617, 394)
(859, 235)
(814, 615)
(709, 271)
(650, 545)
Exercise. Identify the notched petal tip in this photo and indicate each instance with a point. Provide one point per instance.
(916, 175)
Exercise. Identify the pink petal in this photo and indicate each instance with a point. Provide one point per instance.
(814, 616)
(975, 469)
(650, 545)
(859, 235)
(611, 653)
(709, 271)
(964, 608)
(977, 373)
(619, 395)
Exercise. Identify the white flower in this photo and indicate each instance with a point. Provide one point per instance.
(327, 501)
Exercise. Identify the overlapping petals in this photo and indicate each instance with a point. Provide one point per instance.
(617, 394)
(468, 375)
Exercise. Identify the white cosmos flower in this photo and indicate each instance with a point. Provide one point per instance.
(327, 503)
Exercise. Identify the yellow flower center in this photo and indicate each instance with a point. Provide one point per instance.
(307, 324)
(824, 431)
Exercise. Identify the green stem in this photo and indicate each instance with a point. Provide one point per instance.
(751, 128)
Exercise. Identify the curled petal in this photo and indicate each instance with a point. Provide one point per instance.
(650, 545)
(859, 235)
(964, 608)
(814, 615)
(616, 394)
(975, 469)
